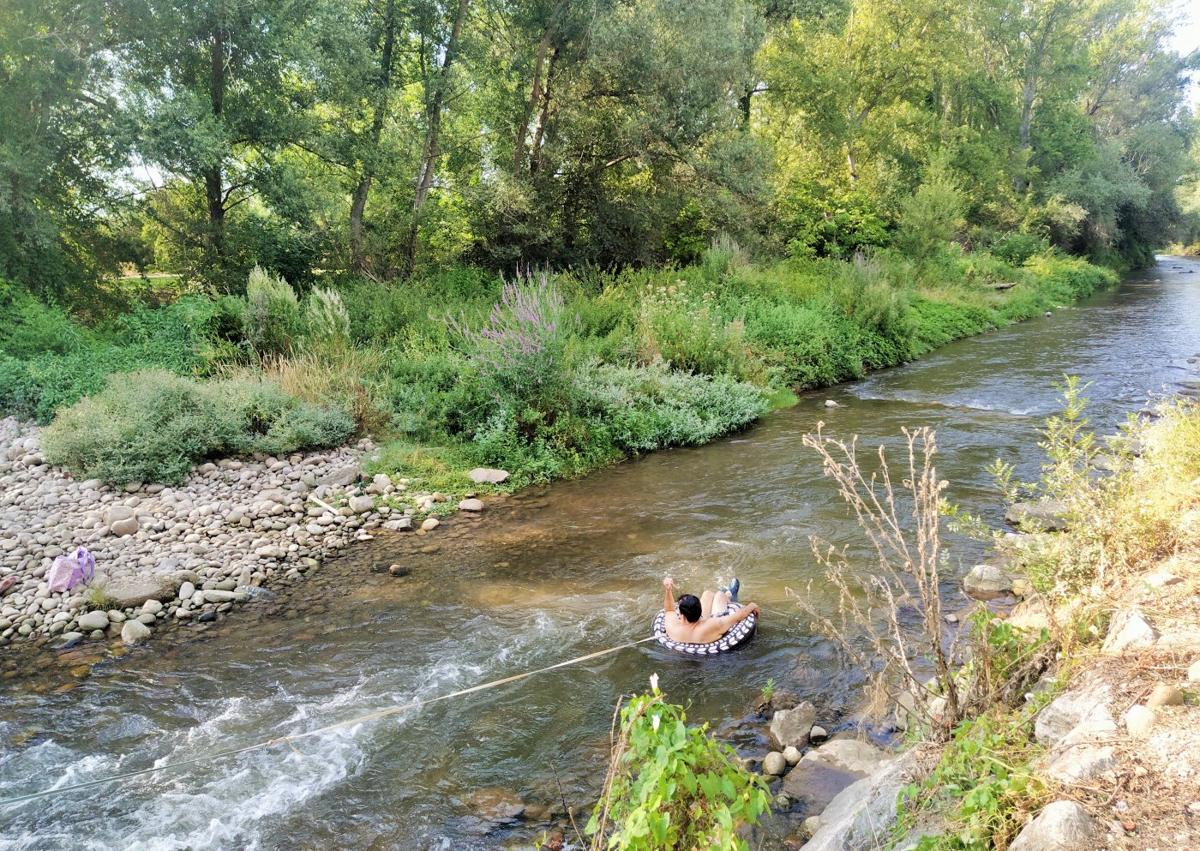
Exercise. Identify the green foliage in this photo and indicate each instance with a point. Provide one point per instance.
(272, 319)
(933, 215)
(673, 786)
(983, 781)
(1017, 247)
(326, 320)
(689, 332)
(154, 426)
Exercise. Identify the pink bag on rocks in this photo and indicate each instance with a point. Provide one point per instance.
(77, 568)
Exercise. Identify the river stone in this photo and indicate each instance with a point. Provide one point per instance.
(361, 504)
(987, 581)
(134, 631)
(774, 764)
(152, 607)
(124, 528)
(94, 620)
(186, 590)
(495, 805)
(792, 726)
(1061, 826)
(471, 505)
(861, 816)
(486, 475)
(430, 523)
(1046, 515)
(791, 755)
(399, 524)
(1128, 630)
(341, 477)
(826, 771)
(131, 593)
(1193, 673)
(118, 513)
(216, 595)
(1165, 694)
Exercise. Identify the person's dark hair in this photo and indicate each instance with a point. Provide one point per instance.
(689, 607)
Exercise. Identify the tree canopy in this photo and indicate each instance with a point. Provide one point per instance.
(377, 137)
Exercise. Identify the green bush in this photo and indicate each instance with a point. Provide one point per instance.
(154, 426)
(673, 786)
(690, 332)
(31, 328)
(1016, 248)
(272, 319)
(326, 319)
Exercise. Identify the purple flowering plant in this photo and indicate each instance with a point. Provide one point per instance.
(520, 349)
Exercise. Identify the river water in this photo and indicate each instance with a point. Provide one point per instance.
(542, 577)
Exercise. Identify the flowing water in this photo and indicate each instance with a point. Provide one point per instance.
(539, 578)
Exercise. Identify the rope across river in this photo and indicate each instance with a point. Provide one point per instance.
(295, 737)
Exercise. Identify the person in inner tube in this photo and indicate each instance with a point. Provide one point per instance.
(690, 618)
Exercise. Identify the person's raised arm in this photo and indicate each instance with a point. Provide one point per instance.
(740, 615)
(668, 594)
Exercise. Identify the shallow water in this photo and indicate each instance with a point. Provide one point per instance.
(541, 577)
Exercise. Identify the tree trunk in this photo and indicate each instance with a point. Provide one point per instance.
(1025, 130)
(358, 201)
(851, 164)
(214, 194)
(535, 95)
(433, 130)
(535, 153)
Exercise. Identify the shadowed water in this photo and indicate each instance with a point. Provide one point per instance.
(541, 577)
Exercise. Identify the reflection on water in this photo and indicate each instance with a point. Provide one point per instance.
(542, 577)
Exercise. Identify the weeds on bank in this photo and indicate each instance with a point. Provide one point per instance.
(670, 785)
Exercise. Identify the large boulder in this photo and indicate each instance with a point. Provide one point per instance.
(861, 816)
(132, 593)
(341, 477)
(988, 581)
(825, 771)
(790, 727)
(1045, 515)
(1061, 826)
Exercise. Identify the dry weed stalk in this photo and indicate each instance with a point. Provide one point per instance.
(908, 567)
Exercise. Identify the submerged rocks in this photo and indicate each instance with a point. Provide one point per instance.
(471, 504)
(134, 632)
(774, 764)
(1061, 826)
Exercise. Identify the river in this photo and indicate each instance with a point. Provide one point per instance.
(543, 576)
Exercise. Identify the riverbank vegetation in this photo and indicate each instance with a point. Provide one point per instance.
(300, 221)
(1126, 552)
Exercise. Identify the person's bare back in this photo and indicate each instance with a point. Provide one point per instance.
(691, 619)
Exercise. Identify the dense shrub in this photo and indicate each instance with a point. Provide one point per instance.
(326, 319)
(690, 332)
(1016, 248)
(272, 319)
(154, 426)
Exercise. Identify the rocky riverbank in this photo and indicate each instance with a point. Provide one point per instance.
(174, 555)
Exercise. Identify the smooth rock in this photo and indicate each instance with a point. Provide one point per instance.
(1139, 721)
(186, 590)
(486, 475)
(134, 631)
(818, 734)
(1061, 826)
(1193, 673)
(792, 726)
(341, 477)
(118, 513)
(134, 592)
(1045, 515)
(830, 403)
(215, 595)
(987, 581)
(430, 523)
(1165, 694)
(94, 620)
(792, 755)
(1128, 630)
(774, 764)
(850, 754)
(471, 504)
(124, 528)
(152, 607)
(361, 504)
(495, 805)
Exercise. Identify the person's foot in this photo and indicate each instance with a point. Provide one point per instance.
(732, 590)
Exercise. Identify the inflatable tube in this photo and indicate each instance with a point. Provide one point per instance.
(741, 632)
